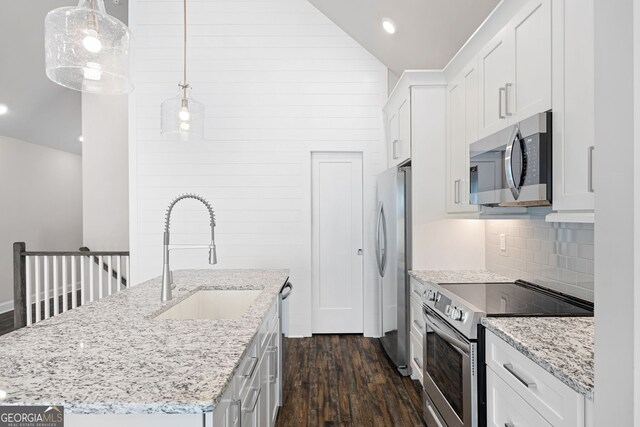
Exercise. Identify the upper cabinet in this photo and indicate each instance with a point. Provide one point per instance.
(515, 69)
(399, 133)
(400, 113)
(573, 110)
(462, 129)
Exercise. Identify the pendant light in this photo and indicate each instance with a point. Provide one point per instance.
(183, 116)
(86, 49)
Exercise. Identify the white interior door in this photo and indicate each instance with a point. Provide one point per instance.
(337, 264)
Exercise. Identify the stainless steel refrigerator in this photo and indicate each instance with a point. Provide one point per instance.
(393, 256)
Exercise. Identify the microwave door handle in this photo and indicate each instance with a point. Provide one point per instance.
(378, 257)
(439, 330)
(508, 163)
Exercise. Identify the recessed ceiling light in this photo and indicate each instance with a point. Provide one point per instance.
(80, 138)
(388, 25)
(3, 109)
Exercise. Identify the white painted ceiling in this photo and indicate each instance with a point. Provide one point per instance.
(429, 32)
(40, 111)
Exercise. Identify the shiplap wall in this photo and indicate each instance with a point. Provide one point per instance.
(279, 81)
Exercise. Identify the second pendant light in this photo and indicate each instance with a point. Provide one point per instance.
(182, 116)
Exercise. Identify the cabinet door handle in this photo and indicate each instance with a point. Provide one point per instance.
(254, 401)
(506, 99)
(418, 324)
(250, 366)
(395, 149)
(273, 361)
(512, 371)
(590, 177)
(456, 191)
(500, 91)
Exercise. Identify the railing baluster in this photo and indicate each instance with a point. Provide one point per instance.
(28, 290)
(82, 279)
(37, 290)
(110, 274)
(74, 280)
(47, 312)
(119, 278)
(65, 304)
(91, 278)
(100, 277)
(56, 283)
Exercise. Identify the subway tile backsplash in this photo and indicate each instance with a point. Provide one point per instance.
(558, 256)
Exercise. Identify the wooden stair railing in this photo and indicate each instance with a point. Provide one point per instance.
(47, 283)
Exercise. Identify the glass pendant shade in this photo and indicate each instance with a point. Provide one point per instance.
(88, 50)
(182, 117)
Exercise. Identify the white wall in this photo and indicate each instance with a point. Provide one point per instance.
(616, 220)
(105, 172)
(440, 241)
(40, 201)
(279, 81)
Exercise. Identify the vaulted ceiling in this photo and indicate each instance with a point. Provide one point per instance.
(40, 111)
(429, 32)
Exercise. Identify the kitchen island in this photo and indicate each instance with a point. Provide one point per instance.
(114, 357)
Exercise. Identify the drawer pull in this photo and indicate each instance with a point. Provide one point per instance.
(254, 401)
(509, 424)
(250, 366)
(418, 324)
(418, 362)
(509, 368)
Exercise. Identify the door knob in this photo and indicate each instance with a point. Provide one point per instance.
(359, 251)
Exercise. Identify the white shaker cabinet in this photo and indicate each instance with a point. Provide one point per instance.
(521, 393)
(573, 110)
(399, 131)
(515, 69)
(462, 129)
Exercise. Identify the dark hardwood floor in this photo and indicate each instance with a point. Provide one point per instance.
(6, 322)
(345, 380)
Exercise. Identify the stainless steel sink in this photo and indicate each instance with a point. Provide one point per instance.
(212, 305)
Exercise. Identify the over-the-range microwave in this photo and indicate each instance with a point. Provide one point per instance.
(513, 167)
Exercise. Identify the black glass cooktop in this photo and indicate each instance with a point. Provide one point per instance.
(519, 299)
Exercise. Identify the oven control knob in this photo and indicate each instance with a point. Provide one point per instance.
(457, 314)
(431, 295)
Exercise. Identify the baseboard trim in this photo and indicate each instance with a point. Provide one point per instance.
(6, 306)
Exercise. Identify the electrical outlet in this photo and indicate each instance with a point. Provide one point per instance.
(503, 242)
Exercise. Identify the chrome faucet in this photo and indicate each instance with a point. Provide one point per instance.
(167, 276)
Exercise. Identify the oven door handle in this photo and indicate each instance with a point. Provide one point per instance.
(440, 328)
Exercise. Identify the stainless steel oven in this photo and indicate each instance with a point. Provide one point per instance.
(513, 167)
(449, 368)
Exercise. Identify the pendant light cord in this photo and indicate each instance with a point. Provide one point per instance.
(185, 85)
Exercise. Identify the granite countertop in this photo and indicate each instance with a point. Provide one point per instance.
(458, 276)
(562, 346)
(112, 356)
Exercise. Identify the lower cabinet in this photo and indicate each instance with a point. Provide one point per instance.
(416, 328)
(252, 398)
(521, 393)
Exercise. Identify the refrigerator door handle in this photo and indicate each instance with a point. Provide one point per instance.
(378, 257)
(384, 247)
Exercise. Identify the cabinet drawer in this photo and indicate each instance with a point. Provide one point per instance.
(416, 357)
(506, 408)
(417, 289)
(247, 369)
(417, 320)
(270, 319)
(557, 403)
